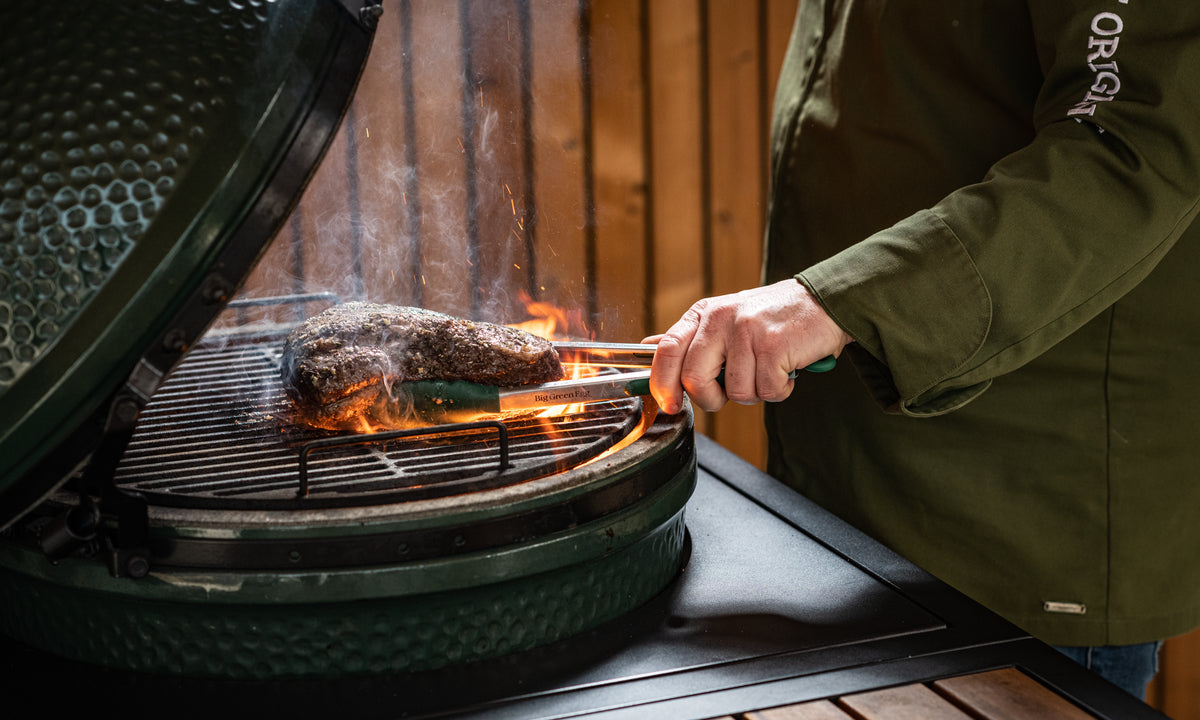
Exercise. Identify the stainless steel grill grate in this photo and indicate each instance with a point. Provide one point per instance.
(218, 434)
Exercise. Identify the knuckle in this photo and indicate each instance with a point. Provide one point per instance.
(777, 393)
(742, 398)
(693, 382)
(670, 344)
(704, 392)
(777, 396)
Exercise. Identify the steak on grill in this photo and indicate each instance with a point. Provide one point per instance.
(339, 366)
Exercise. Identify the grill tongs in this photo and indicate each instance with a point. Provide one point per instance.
(451, 400)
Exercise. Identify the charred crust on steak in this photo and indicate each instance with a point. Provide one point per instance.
(342, 362)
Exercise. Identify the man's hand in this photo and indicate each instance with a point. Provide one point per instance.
(759, 336)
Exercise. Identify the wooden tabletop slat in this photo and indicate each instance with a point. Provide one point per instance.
(815, 710)
(908, 702)
(1008, 693)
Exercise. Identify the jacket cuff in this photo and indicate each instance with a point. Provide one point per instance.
(915, 303)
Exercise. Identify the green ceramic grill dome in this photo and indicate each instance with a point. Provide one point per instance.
(148, 151)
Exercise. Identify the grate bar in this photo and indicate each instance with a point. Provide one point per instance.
(220, 434)
(326, 443)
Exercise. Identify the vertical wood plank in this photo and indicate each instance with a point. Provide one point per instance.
(619, 167)
(377, 136)
(676, 149)
(273, 274)
(557, 227)
(493, 129)
(325, 224)
(736, 125)
(678, 164)
(441, 157)
(406, 181)
(738, 183)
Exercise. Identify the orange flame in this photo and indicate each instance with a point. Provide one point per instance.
(550, 321)
(554, 323)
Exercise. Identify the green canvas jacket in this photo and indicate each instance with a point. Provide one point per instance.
(996, 199)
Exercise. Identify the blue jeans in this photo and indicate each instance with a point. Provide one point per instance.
(1129, 667)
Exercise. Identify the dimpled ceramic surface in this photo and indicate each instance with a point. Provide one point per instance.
(148, 149)
(124, 630)
(97, 123)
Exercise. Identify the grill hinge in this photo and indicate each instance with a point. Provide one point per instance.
(126, 546)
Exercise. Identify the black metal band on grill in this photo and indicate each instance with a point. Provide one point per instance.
(357, 551)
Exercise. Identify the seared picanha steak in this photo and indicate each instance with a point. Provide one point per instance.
(339, 366)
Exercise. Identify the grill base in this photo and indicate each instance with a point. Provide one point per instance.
(128, 628)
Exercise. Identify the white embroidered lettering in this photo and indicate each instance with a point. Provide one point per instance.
(1107, 83)
(1102, 46)
(1103, 66)
(1098, 24)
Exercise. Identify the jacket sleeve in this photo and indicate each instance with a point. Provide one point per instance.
(999, 271)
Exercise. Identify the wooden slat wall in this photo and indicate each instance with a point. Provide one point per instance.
(605, 156)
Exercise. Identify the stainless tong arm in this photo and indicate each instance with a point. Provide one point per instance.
(638, 355)
(607, 354)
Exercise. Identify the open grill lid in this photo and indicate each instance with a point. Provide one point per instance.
(148, 152)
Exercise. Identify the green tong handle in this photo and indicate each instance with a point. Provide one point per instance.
(825, 364)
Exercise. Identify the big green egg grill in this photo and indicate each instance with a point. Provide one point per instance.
(160, 511)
